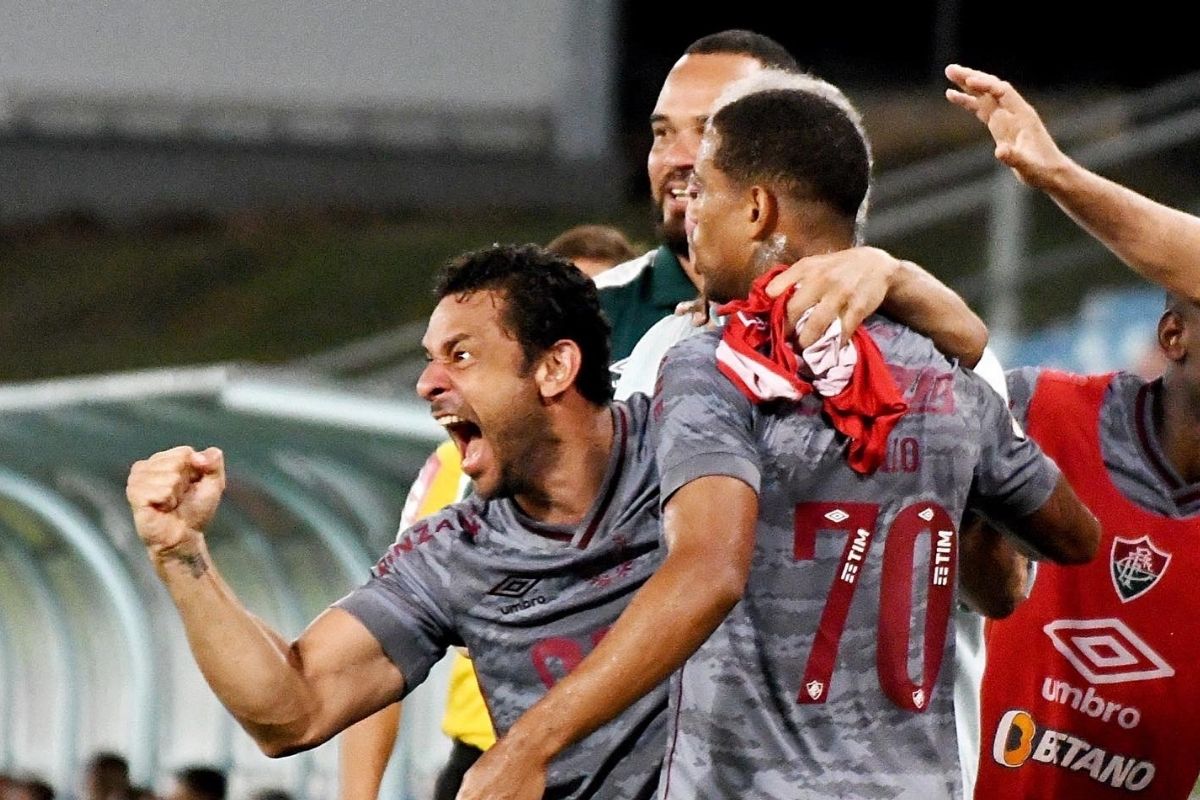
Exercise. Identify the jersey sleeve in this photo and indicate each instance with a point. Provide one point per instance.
(406, 604)
(701, 424)
(1021, 383)
(1013, 477)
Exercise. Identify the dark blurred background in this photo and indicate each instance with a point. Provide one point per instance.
(160, 207)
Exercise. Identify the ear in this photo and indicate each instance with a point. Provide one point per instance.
(1172, 336)
(557, 369)
(762, 212)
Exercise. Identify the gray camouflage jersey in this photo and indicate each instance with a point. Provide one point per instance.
(529, 601)
(833, 677)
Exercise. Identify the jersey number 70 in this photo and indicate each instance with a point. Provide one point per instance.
(858, 520)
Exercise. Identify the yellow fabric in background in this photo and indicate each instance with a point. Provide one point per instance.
(440, 483)
(467, 718)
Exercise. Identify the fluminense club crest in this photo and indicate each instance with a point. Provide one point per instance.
(1135, 566)
(815, 689)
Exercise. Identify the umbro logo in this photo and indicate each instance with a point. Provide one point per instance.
(1106, 651)
(513, 586)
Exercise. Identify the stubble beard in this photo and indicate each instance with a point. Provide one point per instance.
(670, 232)
(534, 450)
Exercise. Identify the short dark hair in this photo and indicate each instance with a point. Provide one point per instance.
(800, 142)
(592, 241)
(107, 760)
(546, 299)
(37, 789)
(207, 782)
(740, 42)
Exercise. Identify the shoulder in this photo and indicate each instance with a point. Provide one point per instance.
(692, 351)
(624, 273)
(435, 537)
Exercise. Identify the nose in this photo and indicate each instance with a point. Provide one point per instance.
(682, 152)
(433, 381)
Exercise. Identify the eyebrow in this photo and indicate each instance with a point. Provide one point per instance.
(457, 338)
(701, 119)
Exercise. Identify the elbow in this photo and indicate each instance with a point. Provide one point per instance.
(728, 584)
(997, 607)
(279, 741)
(975, 341)
(1084, 546)
(1080, 545)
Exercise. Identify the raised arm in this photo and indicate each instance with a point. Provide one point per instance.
(288, 696)
(1160, 243)
(852, 284)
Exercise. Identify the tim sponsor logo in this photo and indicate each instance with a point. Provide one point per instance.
(1090, 703)
(1019, 739)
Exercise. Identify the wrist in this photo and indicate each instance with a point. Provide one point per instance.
(537, 740)
(1060, 174)
(189, 555)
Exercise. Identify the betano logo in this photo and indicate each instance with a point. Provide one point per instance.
(1018, 739)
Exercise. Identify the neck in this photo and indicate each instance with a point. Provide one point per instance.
(689, 270)
(1177, 422)
(569, 483)
(784, 248)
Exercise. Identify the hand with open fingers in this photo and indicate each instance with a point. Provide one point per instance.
(174, 495)
(1022, 141)
(505, 772)
(849, 285)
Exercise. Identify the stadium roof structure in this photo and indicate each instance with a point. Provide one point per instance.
(92, 656)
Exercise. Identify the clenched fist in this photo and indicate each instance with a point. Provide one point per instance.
(174, 495)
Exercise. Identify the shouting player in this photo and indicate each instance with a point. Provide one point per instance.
(528, 573)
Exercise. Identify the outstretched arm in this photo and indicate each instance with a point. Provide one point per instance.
(288, 696)
(1160, 243)
(852, 284)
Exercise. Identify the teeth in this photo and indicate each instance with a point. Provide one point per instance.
(449, 420)
(679, 194)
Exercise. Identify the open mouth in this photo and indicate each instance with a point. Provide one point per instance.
(467, 437)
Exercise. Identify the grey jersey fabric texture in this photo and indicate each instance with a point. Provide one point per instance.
(833, 676)
(529, 601)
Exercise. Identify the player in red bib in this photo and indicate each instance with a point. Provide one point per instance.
(1091, 688)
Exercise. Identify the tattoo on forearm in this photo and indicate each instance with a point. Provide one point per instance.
(195, 563)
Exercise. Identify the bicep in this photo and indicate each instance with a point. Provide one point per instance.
(712, 510)
(1063, 529)
(709, 523)
(345, 669)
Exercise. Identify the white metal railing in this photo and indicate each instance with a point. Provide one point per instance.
(150, 116)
